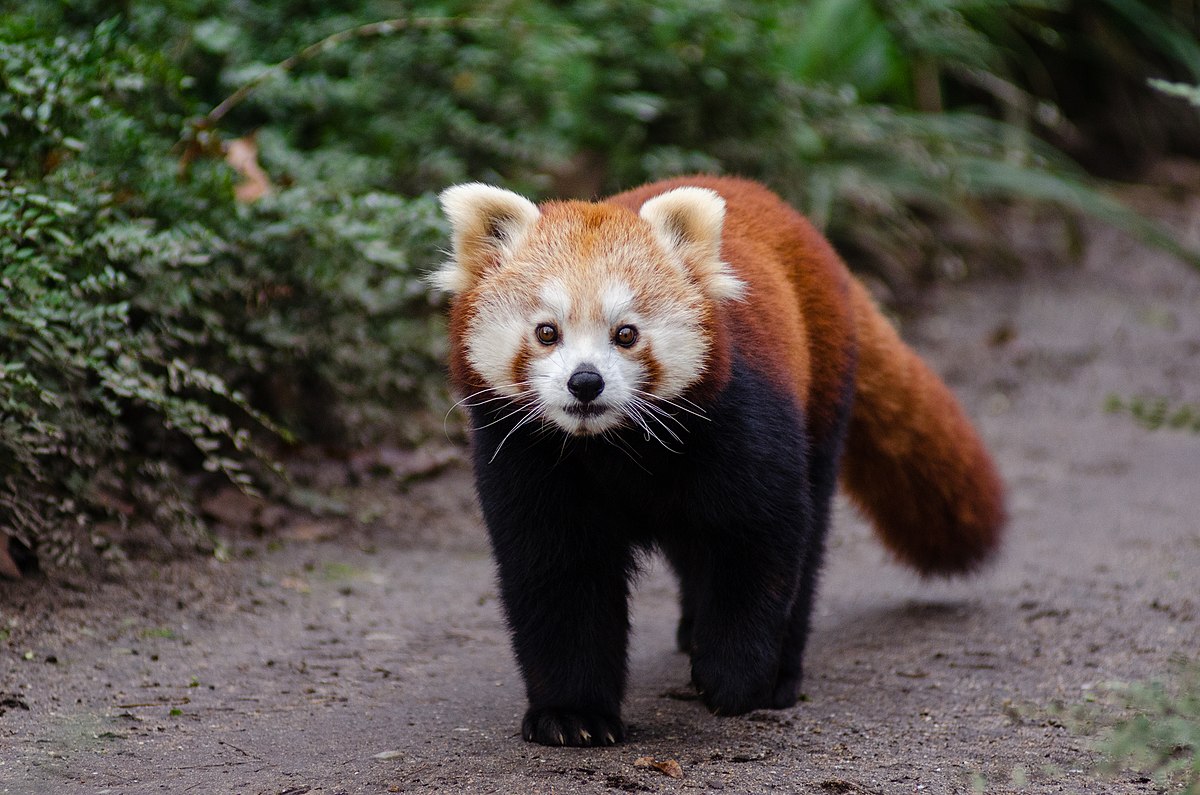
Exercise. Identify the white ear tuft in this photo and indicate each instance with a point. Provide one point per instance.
(487, 224)
(688, 222)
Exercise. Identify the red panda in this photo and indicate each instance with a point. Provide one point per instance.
(687, 367)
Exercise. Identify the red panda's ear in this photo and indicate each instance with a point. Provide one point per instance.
(487, 224)
(688, 223)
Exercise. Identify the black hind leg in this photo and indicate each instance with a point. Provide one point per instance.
(686, 574)
(791, 657)
(823, 479)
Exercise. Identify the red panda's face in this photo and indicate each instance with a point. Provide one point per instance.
(587, 314)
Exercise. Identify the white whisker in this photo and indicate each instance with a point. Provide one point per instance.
(649, 412)
(535, 411)
(519, 408)
(516, 396)
(695, 411)
(464, 401)
(663, 413)
(486, 389)
(631, 411)
(562, 451)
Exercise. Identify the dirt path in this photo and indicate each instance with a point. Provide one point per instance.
(376, 661)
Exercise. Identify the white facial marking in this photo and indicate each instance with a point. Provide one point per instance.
(556, 301)
(583, 341)
(660, 274)
(499, 330)
(680, 348)
(616, 303)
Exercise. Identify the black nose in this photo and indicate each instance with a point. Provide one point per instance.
(585, 383)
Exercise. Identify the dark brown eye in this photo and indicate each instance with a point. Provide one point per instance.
(547, 334)
(625, 336)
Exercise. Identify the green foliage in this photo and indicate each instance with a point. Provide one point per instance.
(598, 96)
(153, 327)
(333, 300)
(1154, 412)
(75, 375)
(1160, 733)
(1182, 90)
(150, 326)
(71, 367)
(1076, 71)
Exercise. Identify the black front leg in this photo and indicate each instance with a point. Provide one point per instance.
(570, 627)
(564, 570)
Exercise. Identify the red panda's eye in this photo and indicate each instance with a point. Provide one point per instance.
(626, 336)
(547, 334)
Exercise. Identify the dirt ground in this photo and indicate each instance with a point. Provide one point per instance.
(370, 656)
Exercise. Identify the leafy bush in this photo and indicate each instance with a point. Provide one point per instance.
(596, 96)
(153, 326)
(148, 326)
(1091, 59)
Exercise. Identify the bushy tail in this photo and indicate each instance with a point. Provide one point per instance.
(913, 463)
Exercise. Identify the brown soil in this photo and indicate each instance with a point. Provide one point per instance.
(370, 656)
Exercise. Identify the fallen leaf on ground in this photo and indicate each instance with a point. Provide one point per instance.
(295, 584)
(231, 507)
(668, 767)
(311, 531)
(681, 694)
(389, 755)
(8, 566)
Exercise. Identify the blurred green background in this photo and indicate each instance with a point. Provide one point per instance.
(156, 331)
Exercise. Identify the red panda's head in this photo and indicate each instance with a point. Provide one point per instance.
(585, 312)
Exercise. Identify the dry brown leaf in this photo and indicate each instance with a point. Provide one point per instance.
(242, 155)
(295, 584)
(668, 767)
(231, 507)
(311, 531)
(8, 566)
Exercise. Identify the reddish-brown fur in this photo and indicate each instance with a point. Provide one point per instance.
(574, 232)
(913, 463)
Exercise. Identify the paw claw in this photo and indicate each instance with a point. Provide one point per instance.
(570, 727)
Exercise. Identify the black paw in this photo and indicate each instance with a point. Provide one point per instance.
(554, 726)
(728, 691)
(787, 690)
